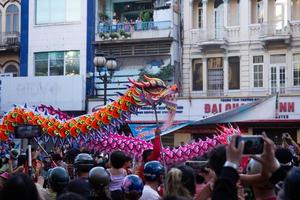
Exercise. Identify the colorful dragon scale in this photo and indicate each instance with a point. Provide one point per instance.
(152, 91)
(135, 146)
(107, 119)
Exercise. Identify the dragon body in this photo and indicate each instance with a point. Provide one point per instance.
(106, 119)
(96, 128)
(135, 146)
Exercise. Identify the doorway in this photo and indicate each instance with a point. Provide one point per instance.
(277, 74)
(218, 20)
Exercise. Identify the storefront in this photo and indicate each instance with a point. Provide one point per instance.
(252, 114)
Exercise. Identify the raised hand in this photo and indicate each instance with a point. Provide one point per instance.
(234, 154)
(268, 160)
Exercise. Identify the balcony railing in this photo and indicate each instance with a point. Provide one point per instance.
(202, 35)
(136, 26)
(9, 38)
(275, 28)
(295, 28)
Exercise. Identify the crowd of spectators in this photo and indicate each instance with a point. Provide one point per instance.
(225, 174)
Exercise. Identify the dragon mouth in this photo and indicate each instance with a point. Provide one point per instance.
(170, 105)
(170, 100)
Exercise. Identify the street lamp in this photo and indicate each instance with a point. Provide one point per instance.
(105, 65)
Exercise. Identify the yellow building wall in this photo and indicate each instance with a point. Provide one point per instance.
(250, 131)
(181, 137)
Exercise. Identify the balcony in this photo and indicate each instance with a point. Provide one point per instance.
(275, 32)
(218, 38)
(9, 40)
(137, 30)
(295, 28)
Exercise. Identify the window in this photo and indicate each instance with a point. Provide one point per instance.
(238, 12)
(259, 11)
(278, 59)
(296, 69)
(57, 11)
(56, 60)
(57, 63)
(258, 67)
(197, 70)
(215, 76)
(234, 73)
(278, 73)
(72, 62)
(12, 18)
(200, 15)
(11, 68)
(0, 21)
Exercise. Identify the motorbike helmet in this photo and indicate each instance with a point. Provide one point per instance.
(58, 179)
(98, 177)
(83, 162)
(132, 184)
(153, 170)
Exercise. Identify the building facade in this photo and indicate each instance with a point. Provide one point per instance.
(237, 49)
(55, 53)
(9, 38)
(143, 36)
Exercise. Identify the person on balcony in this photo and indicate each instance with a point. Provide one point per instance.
(126, 25)
(114, 23)
(138, 24)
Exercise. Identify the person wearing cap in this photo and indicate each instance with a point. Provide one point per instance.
(99, 180)
(132, 187)
(83, 163)
(153, 174)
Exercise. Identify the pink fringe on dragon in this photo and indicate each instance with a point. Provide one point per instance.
(108, 120)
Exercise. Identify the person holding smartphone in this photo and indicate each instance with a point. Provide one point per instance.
(225, 186)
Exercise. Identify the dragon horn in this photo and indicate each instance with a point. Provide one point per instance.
(155, 81)
(147, 84)
(147, 77)
(135, 83)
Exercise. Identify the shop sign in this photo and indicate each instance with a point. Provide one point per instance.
(196, 109)
(64, 92)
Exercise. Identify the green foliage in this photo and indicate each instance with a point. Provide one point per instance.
(145, 16)
(165, 73)
(127, 35)
(122, 32)
(114, 35)
(103, 17)
(103, 36)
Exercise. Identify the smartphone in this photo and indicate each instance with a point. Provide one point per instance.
(254, 145)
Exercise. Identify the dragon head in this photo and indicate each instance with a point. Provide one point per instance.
(153, 91)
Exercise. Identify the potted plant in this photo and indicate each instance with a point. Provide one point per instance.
(122, 34)
(146, 17)
(127, 35)
(103, 17)
(102, 36)
(114, 36)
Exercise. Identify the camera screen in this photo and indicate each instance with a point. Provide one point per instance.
(253, 145)
(27, 131)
